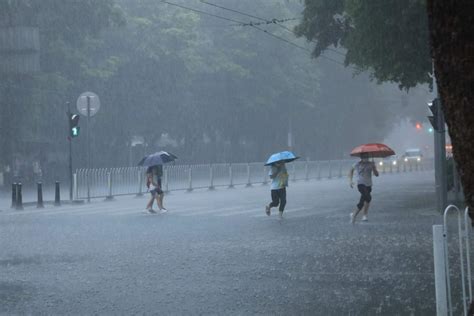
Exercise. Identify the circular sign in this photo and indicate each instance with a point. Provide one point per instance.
(88, 102)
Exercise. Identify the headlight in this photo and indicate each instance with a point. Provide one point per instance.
(381, 163)
(394, 162)
(418, 159)
(406, 159)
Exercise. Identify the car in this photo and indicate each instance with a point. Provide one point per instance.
(388, 163)
(413, 155)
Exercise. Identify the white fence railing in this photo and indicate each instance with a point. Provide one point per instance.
(443, 273)
(109, 182)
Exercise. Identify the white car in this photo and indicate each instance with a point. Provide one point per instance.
(412, 155)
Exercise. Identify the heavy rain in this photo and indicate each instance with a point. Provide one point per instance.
(236, 157)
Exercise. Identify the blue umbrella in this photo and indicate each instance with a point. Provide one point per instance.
(157, 158)
(284, 156)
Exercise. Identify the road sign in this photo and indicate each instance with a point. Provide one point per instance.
(82, 103)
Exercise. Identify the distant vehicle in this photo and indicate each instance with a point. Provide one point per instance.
(414, 155)
(389, 161)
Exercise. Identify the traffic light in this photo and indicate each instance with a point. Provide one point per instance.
(418, 125)
(74, 125)
(437, 119)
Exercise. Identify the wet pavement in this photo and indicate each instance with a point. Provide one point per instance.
(217, 253)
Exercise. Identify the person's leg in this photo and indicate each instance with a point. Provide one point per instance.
(360, 205)
(367, 199)
(149, 205)
(162, 196)
(282, 196)
(159, 196)
(273, 203)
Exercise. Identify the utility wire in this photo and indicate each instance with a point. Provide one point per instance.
(273, 21)
(201, 12)
(255, 27)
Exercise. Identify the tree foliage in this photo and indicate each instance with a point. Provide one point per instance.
(203, 88)
(388, 38)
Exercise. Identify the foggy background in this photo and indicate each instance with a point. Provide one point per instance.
(201, 87)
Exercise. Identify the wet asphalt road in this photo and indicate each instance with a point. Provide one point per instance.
(216, 253)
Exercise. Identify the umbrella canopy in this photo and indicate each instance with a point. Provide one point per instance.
(373, 150)
(284, 156)
(157, 158)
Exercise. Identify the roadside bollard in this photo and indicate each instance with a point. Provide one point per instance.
(57, 195)
(140, 183)
(109, 197)
(39, 203)
(19, 198)
(211, 177)
(13, 195)
(249, 184)
(265, 181)
(306, 171)
(231, 177)
(190, 179)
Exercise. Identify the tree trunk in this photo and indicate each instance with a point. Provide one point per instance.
(452, 48)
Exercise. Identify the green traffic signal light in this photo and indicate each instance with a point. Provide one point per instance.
(75, 131)
(430, 130)
(74, 125)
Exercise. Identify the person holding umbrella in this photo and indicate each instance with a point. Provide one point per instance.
(155, 162)
(153, 176)
(364, 169)
(279, 176)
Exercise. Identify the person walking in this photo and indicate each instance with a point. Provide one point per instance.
(279, 176)
(153, 182)
(157, 174)
(364, 169)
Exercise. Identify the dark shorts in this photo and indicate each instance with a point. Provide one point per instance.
(365, 195)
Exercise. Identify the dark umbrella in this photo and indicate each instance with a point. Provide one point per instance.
(373, 150)
(157, 158)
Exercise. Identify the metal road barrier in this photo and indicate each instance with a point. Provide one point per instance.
(110, 182)
(444, 304)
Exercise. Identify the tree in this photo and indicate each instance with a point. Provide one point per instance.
(391, 39)
(452, 46)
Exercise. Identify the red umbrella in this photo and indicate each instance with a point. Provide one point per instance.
(373, 150)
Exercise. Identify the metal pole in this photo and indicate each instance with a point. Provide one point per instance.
(211, 177)
(57, 194)
(109, 183)
(248, 175)
(467, 228)
(88, 148)
(14, 194)
(190, 178)
(76, 189)
(19, 197)
(306, 171)
(70, 151)
(39, 203)
(231, 180)
(440, 271)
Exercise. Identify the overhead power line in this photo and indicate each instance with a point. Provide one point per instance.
(272, 21)
(251, 25)
(201, 12)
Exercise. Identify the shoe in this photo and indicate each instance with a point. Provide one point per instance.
(353, 219)
(152, 211)
(364, 218)
(267, 210)
(163, 210)
(280, 215)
